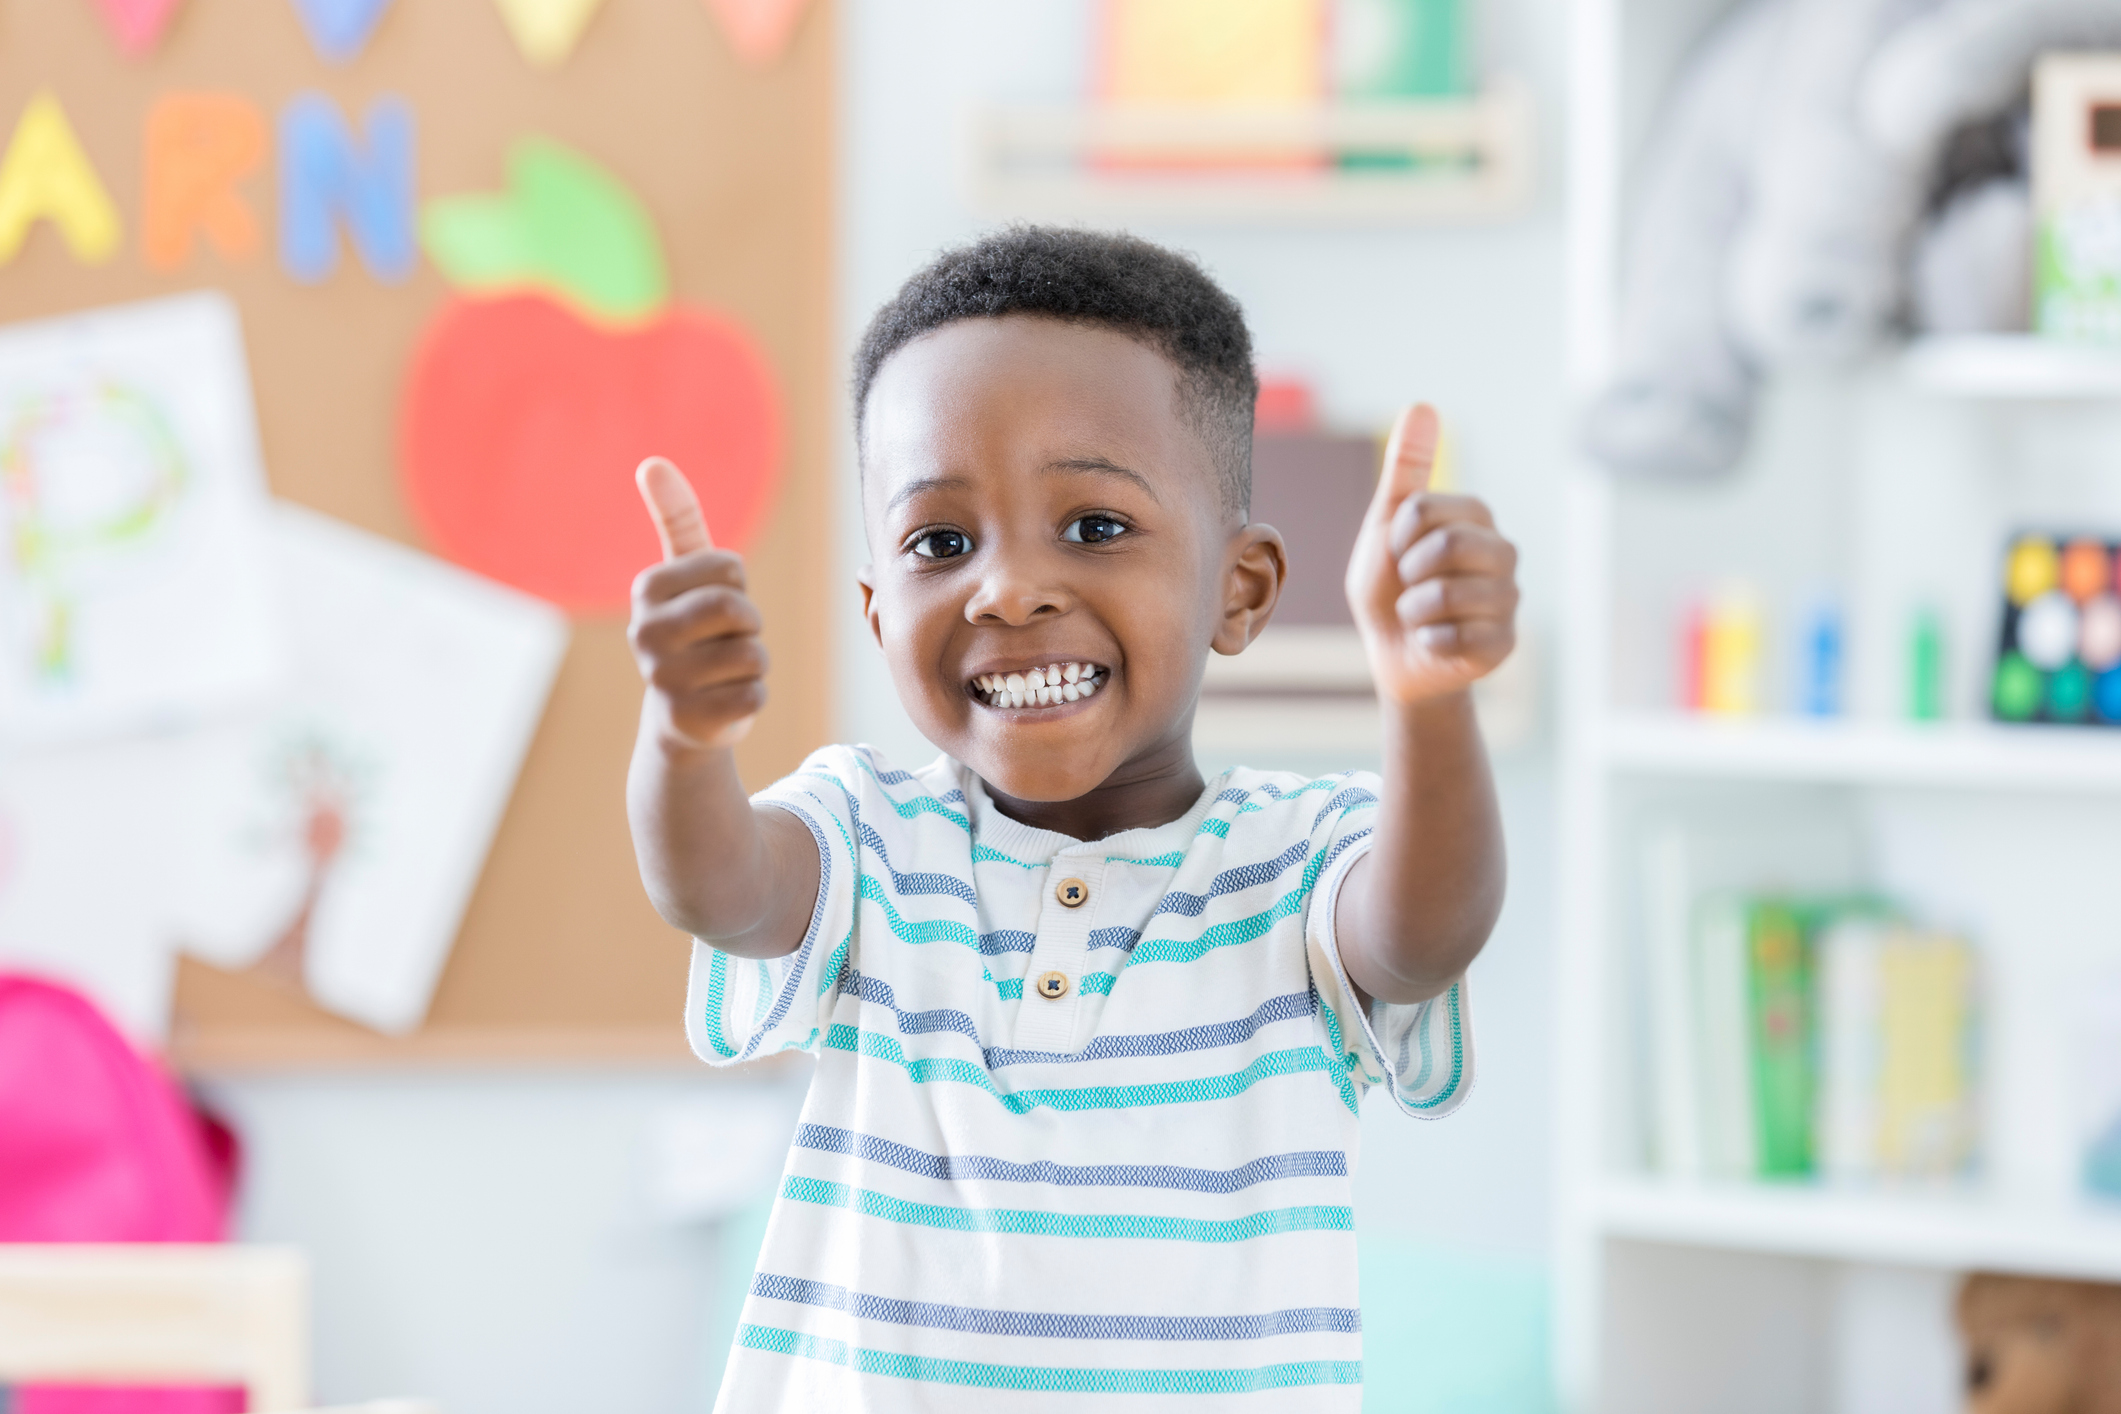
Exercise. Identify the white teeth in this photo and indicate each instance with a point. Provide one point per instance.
(1046, 686)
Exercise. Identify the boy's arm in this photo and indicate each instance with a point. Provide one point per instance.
(739, 877)
(1433, 587)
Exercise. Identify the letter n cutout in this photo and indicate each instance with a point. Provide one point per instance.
(325, 178)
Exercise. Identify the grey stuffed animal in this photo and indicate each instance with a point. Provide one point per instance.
(1789, 208)
(1680, 402)
(1819, 271)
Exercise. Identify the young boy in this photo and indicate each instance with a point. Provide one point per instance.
(1091, 1031)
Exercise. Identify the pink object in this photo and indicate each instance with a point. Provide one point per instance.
(1285, 405)
(137, 23)
(99, 1144)
(124, 1399)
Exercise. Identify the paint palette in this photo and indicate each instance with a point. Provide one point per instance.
(2059, 657)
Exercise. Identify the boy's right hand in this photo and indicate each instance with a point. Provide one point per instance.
(695, 633)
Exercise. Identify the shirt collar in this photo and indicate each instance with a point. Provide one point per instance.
(1031, 845)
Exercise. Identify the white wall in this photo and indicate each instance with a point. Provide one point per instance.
(488, 1240)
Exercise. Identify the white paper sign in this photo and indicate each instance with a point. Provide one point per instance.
(341, 832)
(132, 501)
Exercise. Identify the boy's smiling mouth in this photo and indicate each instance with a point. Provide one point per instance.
(1045, 685)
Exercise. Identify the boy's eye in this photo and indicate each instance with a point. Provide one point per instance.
(943, 545)
(1093, 530)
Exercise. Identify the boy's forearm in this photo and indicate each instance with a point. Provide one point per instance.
(715, 865)
(1416, 910)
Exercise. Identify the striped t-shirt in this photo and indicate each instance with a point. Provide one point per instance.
(1085, 1113)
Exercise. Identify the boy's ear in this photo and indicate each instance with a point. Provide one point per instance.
(1254, 572)
(866, 577)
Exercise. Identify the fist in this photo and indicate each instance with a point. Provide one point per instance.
(1432, 583)
(695, 633)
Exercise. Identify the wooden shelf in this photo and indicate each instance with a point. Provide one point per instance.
(1963, 755)
(246, 1050)
(1946, 1231)
(2023, 367)
(1070, 162)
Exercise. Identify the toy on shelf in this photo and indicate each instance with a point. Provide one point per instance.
(1925, 666)
(2035, 1345)
(1821, 654)
(1720, 653)
(1401, 49)
(1820, 166)
(2059, 658)
(2077, 195)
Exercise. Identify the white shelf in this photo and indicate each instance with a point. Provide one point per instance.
(1945, 1232)
(2012, 367)
(1977, 755)
(1045, 162)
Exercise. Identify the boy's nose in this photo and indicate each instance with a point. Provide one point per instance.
(1013, 599)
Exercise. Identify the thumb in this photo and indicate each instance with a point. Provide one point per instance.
(1410, 457)
(673, 507)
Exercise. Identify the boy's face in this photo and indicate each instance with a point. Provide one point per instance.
(1035, 500)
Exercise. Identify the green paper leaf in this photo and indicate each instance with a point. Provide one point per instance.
(564, 225)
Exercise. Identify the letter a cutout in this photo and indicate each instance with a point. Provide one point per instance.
(199, 145)
(45, 175)
(325, 178)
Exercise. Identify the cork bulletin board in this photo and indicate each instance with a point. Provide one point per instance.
(560, 957)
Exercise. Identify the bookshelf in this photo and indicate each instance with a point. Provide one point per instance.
(1895, 486)
(1948, 1232)
(2016, 366)
(1947, 755)
(1473, 161)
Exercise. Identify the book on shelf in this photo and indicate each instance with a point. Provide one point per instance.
(1797, 1036)
(1898, 1036)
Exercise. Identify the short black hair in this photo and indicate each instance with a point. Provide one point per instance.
(1121, 282)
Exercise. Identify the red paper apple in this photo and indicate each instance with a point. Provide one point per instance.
(530, 402)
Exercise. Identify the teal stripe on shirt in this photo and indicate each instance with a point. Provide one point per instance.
(1029, 1222)
(1057, 1379)
(949, 1069)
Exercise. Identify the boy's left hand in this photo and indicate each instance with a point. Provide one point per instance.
(1432, 583)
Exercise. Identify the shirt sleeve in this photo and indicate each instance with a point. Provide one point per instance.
(1421, 1051)
(738, 1009)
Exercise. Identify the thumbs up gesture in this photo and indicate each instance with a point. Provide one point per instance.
(1432, 583)
(695, 633)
